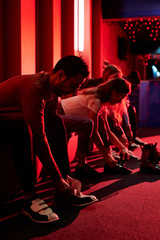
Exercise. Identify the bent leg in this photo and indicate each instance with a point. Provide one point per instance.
(56, 135)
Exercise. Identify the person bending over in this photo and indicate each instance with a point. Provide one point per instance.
(24, 105)
(88, 103)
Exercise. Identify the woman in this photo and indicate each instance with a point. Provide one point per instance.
(88, 103)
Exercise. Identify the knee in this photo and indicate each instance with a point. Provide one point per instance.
(88, 123)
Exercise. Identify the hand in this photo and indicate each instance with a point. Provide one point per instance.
(110, 160)
(75, 185)
(62, 185)
(125, 154)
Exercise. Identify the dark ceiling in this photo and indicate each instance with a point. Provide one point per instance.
(140, 19)
(143, 34)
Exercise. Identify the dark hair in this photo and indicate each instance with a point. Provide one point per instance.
(120, 85)
(134, 78)
(109, 70)
(104, 90)
(72, 65)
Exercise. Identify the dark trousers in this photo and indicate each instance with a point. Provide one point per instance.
(56, 135)
(82, 126)
(16, 136)
(133, 120)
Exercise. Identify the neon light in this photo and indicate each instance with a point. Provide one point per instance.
(155, 71)
(76, 25)
(79, 25)
(28, 36)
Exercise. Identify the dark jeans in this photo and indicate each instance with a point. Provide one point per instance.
(16, 135)
(133, 120)
(56, 135)
(82, 126)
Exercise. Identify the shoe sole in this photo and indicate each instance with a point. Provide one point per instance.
(74, 205)
(149, 170)
(28, 215)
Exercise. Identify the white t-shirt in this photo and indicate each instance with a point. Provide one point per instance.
(80, 105)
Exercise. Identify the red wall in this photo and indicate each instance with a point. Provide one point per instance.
(110, 33)
(1, 43)
(44, 35)
(11, 38)
(67, 27)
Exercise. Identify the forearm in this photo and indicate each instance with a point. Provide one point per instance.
(115, 141)
(99, 143)
(42, 150)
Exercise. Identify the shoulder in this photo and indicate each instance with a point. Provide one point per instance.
(92, 82)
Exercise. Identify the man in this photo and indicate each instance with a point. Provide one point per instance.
(26, 116)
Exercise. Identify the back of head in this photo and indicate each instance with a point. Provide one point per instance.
(119, 85)
(110, 70)
(134, 78)
(72, 65)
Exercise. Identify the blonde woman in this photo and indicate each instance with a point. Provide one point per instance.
(88, 103)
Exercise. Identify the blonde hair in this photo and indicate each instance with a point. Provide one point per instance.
(104, 91)
(109, 70)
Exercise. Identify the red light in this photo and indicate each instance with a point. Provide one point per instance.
(147, 28)
(154, 39)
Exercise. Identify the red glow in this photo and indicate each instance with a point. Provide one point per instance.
(56, 31)
(28, 36)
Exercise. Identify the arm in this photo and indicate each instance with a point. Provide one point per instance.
(99, 143)
(114, 140)
(33, 110)
(33, 104)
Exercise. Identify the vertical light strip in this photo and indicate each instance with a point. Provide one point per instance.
(28, 64)
(56, 31)
(76, 25)
(81, 25)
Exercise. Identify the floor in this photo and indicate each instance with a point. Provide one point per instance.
(128, 206)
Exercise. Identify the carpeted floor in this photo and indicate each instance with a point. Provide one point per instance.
(128, 206)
